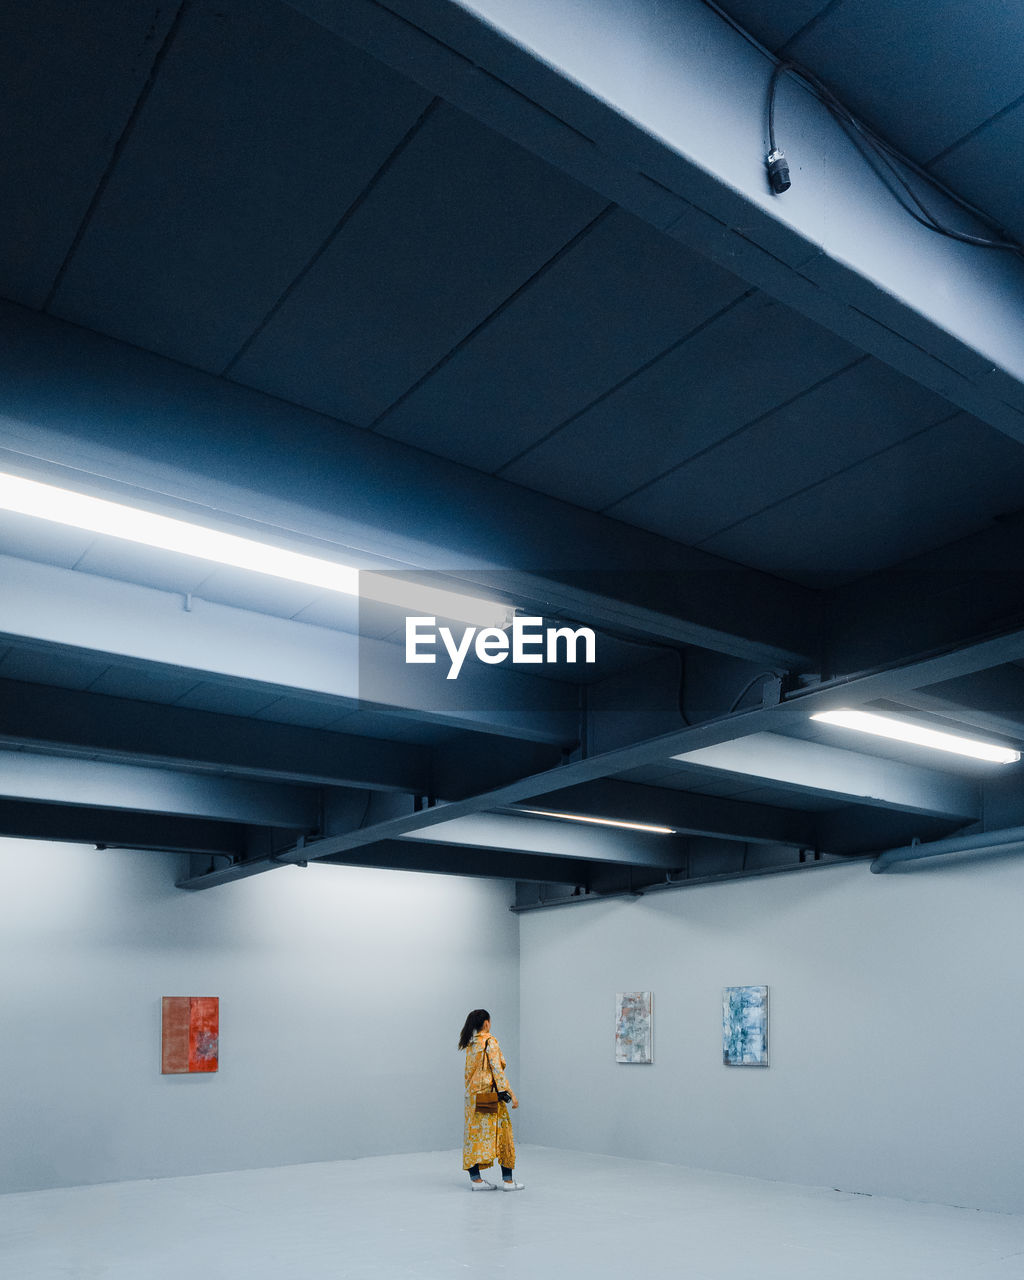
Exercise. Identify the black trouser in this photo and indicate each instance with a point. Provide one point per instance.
(474, 1173)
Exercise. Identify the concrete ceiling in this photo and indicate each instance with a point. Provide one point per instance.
(472, 289)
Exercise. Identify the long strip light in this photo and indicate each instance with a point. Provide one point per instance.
(600, 822)
(919, 734)
(166, 533)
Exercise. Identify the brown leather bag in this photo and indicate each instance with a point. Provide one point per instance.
(488, 1102)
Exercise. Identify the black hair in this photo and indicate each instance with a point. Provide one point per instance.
(472, 1025)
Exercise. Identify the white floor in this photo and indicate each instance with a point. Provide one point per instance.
(413, 1216)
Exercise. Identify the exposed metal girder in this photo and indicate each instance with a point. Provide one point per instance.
(512, 832)
(48, 605)
(100, 784)
(688, 812)
(476, 763)
(123, 729)
(625, 107)
(239, 870)
(422, 855)
(794, 711)
(502, 864)
(80, 824)
(537, 550)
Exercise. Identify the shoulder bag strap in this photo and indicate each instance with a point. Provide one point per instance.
(487, 1040)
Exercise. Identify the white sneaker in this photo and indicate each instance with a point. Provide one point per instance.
(482, 1185)
(512, 1186)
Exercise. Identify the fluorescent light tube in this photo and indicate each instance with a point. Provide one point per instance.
(919, 734)
(114, 519)
(600, 822)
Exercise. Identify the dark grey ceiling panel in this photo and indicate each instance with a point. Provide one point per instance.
(842, 421)
(619, 298)
(938, 486)
(705, 782)
(147, 686)
(774, 24)
(787, 798)
(988, 169)
(257, 136)
(754, 358)
(66, 670)
(958, 63)
(711, 782)
(226, 699)
(71, 75)
(374, 724)
(460, 221)
(300, 711)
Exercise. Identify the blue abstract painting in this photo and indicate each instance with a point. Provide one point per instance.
(745, 1026)
(634, 1031)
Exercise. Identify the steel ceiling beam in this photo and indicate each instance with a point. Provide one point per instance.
(99, 784)
(237, 870)
(425, 856)
(124, 729)
(82, 824)
(792, 712)
(43, 604)
(621, 103)
(503, 864)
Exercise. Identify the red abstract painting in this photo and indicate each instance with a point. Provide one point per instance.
(191, 1034)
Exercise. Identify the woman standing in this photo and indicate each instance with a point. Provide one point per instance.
(488, 1134)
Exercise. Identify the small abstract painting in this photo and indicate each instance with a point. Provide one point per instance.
(191, 1034)
(634, 1030)
(745, 1026)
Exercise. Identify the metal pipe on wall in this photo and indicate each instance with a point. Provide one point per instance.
(982, 842)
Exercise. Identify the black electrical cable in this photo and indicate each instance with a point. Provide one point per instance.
(874, 144)
(879, 153)
(773, 86)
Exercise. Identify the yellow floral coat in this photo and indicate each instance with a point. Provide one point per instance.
(488, 1135)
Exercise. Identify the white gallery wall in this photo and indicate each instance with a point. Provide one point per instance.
(896, 1029)
(896, 1035)
(342, 993)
